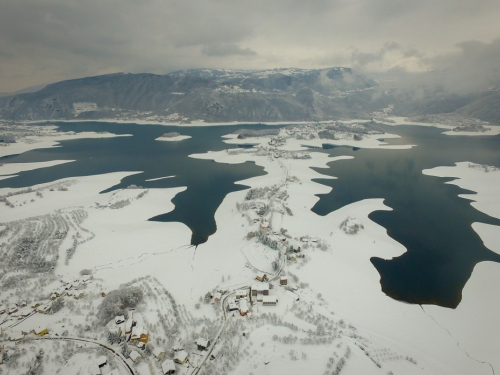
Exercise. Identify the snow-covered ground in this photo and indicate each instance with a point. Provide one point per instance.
(473, 323)
(47, 137)
(10, 170)
(341, 320)
(173, 139)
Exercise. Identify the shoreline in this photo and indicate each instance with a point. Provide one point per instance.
(341, 282)
(398, 121)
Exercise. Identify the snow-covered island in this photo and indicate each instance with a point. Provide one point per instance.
(172, 137)
(88, 285)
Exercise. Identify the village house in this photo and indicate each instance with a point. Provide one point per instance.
(181, 357)
(242, 293)
(12, 309)
(202, 343)
(34, 305)
(232, 307)
(139, 333)
(43, 309)
(78, 295)
(283, 280)
(261, 277)
(269, 300)
(140, 345)
(243, 307)
(168, 367)
(135, 356)
(260, 289)
(129, 324)
(41, 331)
(2, 309)
(217, 297)
(159, 353)
(16, 336)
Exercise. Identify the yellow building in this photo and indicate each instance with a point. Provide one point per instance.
(41, 331)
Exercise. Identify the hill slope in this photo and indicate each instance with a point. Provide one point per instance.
(209, 95)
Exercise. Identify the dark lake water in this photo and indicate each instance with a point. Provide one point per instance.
(428, 218)
(208, 182)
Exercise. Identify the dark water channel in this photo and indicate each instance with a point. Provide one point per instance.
(428, 217)
(207, 182)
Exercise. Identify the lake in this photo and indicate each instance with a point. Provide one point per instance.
(428, 217)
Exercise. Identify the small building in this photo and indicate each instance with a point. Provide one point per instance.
(217, 297)
(16, 336)
(139, 333)
(258, 289)
(243, 306)
(261, 277)
(103, 294)
(159, 354)
(53, 297)
(242, 293)
(269, 300)
(119, 319)
(141, 345)
(181, 357)
(12, 309)
(34, 305)
(43, 309)
(41, 331)
(3, 309)
(202, 343)
(283, 280)
(101, 361)
(168, 367)
(78, 295)
(265, 225)
(232, 307)
(129, 325)
(135, 356)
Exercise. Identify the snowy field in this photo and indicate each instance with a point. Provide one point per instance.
(329, 316)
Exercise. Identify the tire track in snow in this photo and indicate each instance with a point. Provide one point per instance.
(140, 258)
(457, 342)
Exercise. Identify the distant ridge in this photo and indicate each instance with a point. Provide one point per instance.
(212, 95)
(220, 95)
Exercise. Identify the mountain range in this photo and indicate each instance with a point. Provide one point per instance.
(215, 95)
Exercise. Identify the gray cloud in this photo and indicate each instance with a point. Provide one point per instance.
(228, 49)
(48, 40)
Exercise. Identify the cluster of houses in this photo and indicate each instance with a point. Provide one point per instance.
(17, 336)
(22, 309)
(259, 292)
(73, 289)
(130, 330)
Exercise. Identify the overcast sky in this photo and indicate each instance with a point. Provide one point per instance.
(43, 41)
